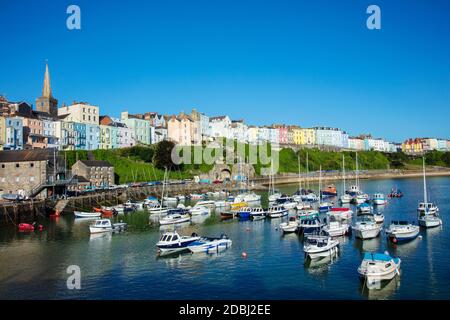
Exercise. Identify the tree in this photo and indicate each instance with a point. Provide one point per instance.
(162, 158)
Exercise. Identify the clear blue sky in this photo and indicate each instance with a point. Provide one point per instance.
(296, 62)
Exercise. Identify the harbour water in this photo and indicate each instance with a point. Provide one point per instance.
(126, 266)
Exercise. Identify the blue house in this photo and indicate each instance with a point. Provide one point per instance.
(14, 134)
(80, 135)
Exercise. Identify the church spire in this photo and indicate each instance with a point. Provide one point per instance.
(47, 90)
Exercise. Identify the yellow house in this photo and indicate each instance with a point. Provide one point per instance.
(413, 146)
(297, 135)
(307, 136)
(2, 131)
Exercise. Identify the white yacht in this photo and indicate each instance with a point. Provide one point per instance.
(277, 212)
(173, 242)
(427, 211)
(336, 228)
(175, 218)
(210, 245)
(105, 225)
(199, 210)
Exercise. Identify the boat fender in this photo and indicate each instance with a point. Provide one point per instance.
(244, 254)
(420, 237)
(394, 240)
(41, 227)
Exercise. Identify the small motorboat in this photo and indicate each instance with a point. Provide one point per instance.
(303, 206)
(175, 218)
(402, 231)
(135, 205)
(377, 267)
(105, 225)
(325, 206)
(378, 217)
(199, 210)
(329, 191)
(27, 227)
(157, 209)
(345, 198)
(228, 215)
(221, 204)
(336, 229)
(360, 198)
(320, 246)
(366, 228)
(343, 213)
(173, 242)
(210, 245)
(151, 201)
(364, 208)
(238, 205)
(80, 214)
(206, 203)
(277, 212)
(181, 197)
(395, 194)
(196, 196)
(257, 213)
(289, 226)
(379, 199)
(310, 197)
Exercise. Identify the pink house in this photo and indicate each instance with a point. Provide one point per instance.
(283, 134)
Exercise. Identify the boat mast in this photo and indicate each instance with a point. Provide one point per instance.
(425, 196)
(343, 170)
(320, 183)
(299, 176)
(356, 174)
(307, 171)
(162, 195)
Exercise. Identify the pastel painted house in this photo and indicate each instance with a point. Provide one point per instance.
(14, 134)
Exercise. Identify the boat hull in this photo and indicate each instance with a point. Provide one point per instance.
(366, 233)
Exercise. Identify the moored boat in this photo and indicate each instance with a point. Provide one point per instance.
(257, 213)
(199, 210)
(342, 212)
(366, 228)
(289, 226)
(276, 212)
(105, 225)
(336, 228)
(175, 218)
(210, 245)
(379, 199)
(329, 191)
(402, 231)
(320, 246)
(80, 214)
(173, 242)
(376, 267)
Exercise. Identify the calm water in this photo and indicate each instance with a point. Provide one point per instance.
(125, 266)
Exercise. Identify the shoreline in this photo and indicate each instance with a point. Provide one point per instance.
(283, 180)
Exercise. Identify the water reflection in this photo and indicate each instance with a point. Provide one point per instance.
(368, 245)
(386, 290)
(405, 248)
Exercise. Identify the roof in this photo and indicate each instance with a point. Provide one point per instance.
(80, 179)
(218, 118)
(26, 155)
(95, 163)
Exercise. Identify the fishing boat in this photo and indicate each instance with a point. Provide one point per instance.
(244, 212)
(341, 212)
(329, 191)
(105, 225)
(353, 190)
(80, 214)
(376, 267)
(303, 206)
(276, 212)
(173, 242)
(289, 226)
(247, 197)
(198, 210)
(325, 206)
(135, 205)
(238, 205)
(364, 208)
(320, 246)
(210, 245)
(257, 213)
(402, 231)
(427, 211)
(366, 228)
(336, 228)
(175, 218)
(379, 199)
(360, 198)
(151, 201)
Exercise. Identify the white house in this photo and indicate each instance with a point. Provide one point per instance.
(220, 127)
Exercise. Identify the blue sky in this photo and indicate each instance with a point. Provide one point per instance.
(296, 62)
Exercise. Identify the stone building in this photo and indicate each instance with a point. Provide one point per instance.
(24, 171)
(99, 173)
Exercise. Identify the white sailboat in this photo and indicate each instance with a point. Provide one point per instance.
(345, 198)
(324, 206)
(427, 211)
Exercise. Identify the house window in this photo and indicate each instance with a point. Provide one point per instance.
(3, 166)
(17, 165)
(31, 165)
